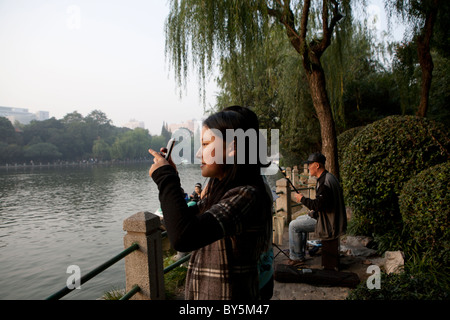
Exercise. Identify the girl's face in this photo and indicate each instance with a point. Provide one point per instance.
(212, 154)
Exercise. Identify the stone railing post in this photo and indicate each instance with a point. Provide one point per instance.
(295, 176)
(283, 203)
(312, 182)
(305, 169)
(289, 173)
(305, 174)
(278, 223)
(144, 267)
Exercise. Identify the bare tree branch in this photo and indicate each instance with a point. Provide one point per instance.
(327, 29)
(288, 20)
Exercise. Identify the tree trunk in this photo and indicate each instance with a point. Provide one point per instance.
(425, 60)
(426, 65)
(316, 81)
(314, 72)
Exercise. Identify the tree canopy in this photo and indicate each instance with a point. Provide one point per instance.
(422, 17)
(200, 31)
(305, 67)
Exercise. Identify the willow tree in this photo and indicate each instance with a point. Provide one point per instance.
(201, 31)
(274, 85)
(421, 15)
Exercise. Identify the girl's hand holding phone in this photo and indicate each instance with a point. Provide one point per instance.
(159, 160)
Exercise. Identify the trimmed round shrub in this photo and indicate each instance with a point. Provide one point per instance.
(425, 209)
(344, 139)
(380, 159)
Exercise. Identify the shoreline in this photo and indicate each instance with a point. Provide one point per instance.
(83, 163)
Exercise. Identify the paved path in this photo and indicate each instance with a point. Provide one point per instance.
(303, 291)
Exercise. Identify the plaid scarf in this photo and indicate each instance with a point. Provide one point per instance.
(227, 268)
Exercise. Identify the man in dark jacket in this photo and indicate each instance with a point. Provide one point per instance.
(327, 217)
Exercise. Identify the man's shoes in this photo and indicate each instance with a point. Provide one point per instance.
(296, 262)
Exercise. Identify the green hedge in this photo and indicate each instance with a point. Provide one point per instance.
(380, 159)
(344, 139)
(425, 207)
(403, 286)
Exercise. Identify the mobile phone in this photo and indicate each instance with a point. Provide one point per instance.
(170, 145)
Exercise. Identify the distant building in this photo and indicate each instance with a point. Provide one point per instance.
(189, 124)
(22, 115)
(133, 124)
(42, 115)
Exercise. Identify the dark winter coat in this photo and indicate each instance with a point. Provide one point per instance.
(329, 207)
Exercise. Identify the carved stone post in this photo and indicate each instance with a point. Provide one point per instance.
(295, 177)
(144, 267)
(283, 203)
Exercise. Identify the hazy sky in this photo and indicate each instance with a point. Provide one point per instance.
(79, 55)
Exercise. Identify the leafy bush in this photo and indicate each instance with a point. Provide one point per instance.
(175, 279)
(344, 139)
(424, 206)
(380, 159)
(403, 286)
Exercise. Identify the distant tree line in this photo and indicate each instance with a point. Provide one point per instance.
(75, 138)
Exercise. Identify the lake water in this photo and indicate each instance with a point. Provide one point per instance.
(54, 217)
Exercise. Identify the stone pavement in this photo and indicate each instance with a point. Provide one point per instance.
(302, 291)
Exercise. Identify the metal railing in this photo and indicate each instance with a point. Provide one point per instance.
(61, 293)
(177, 263)
(135, 289)
(131, 293)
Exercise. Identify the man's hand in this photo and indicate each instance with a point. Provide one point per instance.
(298, 197)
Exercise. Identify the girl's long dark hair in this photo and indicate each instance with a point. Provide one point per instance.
(236, 174)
